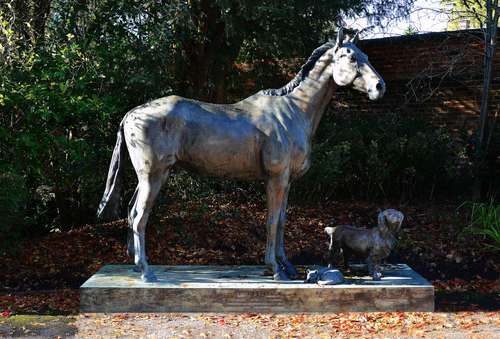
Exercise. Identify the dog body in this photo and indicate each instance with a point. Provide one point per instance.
(324, 276)
(374, 244)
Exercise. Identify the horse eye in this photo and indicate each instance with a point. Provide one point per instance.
(353, 59)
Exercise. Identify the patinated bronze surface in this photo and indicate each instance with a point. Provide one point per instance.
(375, 244)
(324, 276)
(266, 136)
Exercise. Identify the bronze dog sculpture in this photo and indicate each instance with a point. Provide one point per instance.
(324, 276)
(266, 136)
(374, 244)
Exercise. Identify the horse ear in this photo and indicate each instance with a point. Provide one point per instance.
(352, 36)
(340, 37)
(355, 38)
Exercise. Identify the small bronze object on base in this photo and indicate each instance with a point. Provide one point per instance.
(324, 276)
(374, 244)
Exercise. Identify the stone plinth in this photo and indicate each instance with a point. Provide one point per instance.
(117, 288)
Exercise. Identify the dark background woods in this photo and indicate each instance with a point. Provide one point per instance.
(71, 69)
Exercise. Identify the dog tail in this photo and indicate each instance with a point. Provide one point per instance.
(330, 230)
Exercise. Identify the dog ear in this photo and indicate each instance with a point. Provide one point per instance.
(381, 218)
(397, 226)
(382, 224)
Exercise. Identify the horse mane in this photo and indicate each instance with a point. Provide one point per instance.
(303, 73)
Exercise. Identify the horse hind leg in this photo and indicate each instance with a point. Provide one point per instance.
(131, 215)
(147, 191)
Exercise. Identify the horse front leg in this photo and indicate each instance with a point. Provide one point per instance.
(280, 250)
(276, 189)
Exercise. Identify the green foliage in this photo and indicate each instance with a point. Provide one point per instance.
(188, 186)
(485, 221)
(56, 131)
(465, 14)
(13, 199)
(193, 45)
(410, 30)
(69, 70)
(382, 156)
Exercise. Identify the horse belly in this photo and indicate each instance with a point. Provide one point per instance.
(226, 150)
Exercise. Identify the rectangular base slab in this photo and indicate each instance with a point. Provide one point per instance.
(117, 288)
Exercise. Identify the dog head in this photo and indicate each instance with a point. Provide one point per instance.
(312, 276)
(389, 221)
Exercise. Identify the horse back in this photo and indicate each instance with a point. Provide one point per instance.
(234, 141)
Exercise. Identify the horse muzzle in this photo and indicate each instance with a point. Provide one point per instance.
(376, 92)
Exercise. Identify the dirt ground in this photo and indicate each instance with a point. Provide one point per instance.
(39, 283)
(182, 325)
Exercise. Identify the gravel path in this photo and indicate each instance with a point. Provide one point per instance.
(178, 325)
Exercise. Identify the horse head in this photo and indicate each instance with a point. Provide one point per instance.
(352, 68)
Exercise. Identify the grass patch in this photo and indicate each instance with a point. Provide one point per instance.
(37, 325)
(36, 320)
(485, 221)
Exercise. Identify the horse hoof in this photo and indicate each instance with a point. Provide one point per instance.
(149, 277)
(280, 276)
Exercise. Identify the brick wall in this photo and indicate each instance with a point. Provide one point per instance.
(436, 75)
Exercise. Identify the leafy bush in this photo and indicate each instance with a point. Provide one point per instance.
(13, 198)
(188, 186)
(381, 156)
(56, 132)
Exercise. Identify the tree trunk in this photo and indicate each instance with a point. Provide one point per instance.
(41, 11)
(22, 11)
(490, 48)
(209, 59)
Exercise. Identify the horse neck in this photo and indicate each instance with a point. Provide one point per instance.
(315, 92)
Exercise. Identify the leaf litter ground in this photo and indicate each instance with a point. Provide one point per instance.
(43, 276)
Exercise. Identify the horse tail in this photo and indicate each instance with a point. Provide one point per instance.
(109, 207)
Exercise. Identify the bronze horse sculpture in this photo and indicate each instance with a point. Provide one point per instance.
(266, 136)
